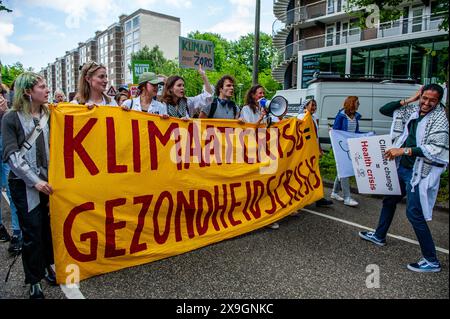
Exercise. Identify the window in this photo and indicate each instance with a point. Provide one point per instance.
(330, 6)
(129, 38)
(129, 50)
(136, 22)
(417, 19)
(128, 26)
(136, 35)
(330, 35)
(136, 47)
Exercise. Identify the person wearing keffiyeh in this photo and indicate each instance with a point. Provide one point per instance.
(420, 139)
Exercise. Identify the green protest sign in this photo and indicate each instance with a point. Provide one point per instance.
(138, 67)
(192, 53)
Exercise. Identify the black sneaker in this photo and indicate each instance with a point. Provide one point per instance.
(50, 276)
(323, 202)
(4, 236)
(36, 291)
(15, 245)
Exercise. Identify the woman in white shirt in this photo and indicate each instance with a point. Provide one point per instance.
(92, 85)
(180, 106)
(252, 112)
(145, 101)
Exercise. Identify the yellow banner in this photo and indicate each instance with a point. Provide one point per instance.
(131, 188)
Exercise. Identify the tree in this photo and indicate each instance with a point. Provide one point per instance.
(243, 48)
(11, 72)
(155, 56)
(4, 8)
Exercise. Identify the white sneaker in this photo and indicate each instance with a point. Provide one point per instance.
(274, 226)
(336, 197)
(296, 213)
(350, 202)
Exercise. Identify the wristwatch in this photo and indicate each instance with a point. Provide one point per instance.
(406, 150)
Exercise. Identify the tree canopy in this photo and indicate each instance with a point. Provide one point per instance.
(230, 57)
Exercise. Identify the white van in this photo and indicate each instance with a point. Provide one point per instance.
(331, 94)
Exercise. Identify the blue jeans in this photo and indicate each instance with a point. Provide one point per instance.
(413, 212)
(4, 172)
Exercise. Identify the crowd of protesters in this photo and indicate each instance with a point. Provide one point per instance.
(26, 152)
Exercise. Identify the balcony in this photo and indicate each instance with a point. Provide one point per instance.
(289, 53)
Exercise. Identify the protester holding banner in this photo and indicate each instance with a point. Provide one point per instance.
(420, 148)
(347, 119)
(222, 106)
(310, 106)
(120, 98)
(59, 96)
(15, 244)
(177, 104)
(145, 102)
(92, 85)
(26, 149)
(252, 112)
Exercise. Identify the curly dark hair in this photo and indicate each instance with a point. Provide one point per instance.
(221, 82)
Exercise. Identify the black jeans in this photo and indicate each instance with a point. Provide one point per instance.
(37, 249)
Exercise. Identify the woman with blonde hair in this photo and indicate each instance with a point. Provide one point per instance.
(347, 119)
(28, 176)
(92, 86)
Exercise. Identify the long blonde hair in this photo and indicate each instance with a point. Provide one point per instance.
(84, 89)
(22, 99)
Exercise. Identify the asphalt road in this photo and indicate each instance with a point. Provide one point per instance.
(309, 256)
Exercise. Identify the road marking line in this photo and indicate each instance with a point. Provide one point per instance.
(72, 292)
(442, 250)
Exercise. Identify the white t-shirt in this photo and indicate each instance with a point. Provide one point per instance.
(248, 116)
(112, 103)
(155, 107)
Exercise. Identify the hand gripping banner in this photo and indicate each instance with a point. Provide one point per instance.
(131, 188)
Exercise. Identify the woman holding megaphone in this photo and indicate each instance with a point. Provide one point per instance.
(254, 112)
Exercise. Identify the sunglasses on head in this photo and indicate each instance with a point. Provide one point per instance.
(90, 63)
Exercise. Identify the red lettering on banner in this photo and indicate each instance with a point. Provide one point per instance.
(111, 148)
(254, 206)
(219, 207)
(92, 236)
(136, 146)
(289, 138)
(310, 165)
(233, 204)
(189, 212)
(289, 190)
(161, 239)
(145, 201)
(153, 134)
(196, 150)
(74, 144)
(203, 194)
(111, 227)
(283, 205)
(248, 199)
(300, 141)
(271, 196)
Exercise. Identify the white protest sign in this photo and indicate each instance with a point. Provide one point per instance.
(373, 172)
(341, 152)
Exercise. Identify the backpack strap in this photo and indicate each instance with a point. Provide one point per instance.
(26, 146)
(213, 109)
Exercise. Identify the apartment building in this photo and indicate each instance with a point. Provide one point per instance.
(60, 75)
(313, 36)
(144, 27)
(72, 61)
(113, 48)
(51, 80)
(87, 51)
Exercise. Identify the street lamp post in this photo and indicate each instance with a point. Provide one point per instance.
(256, 47)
